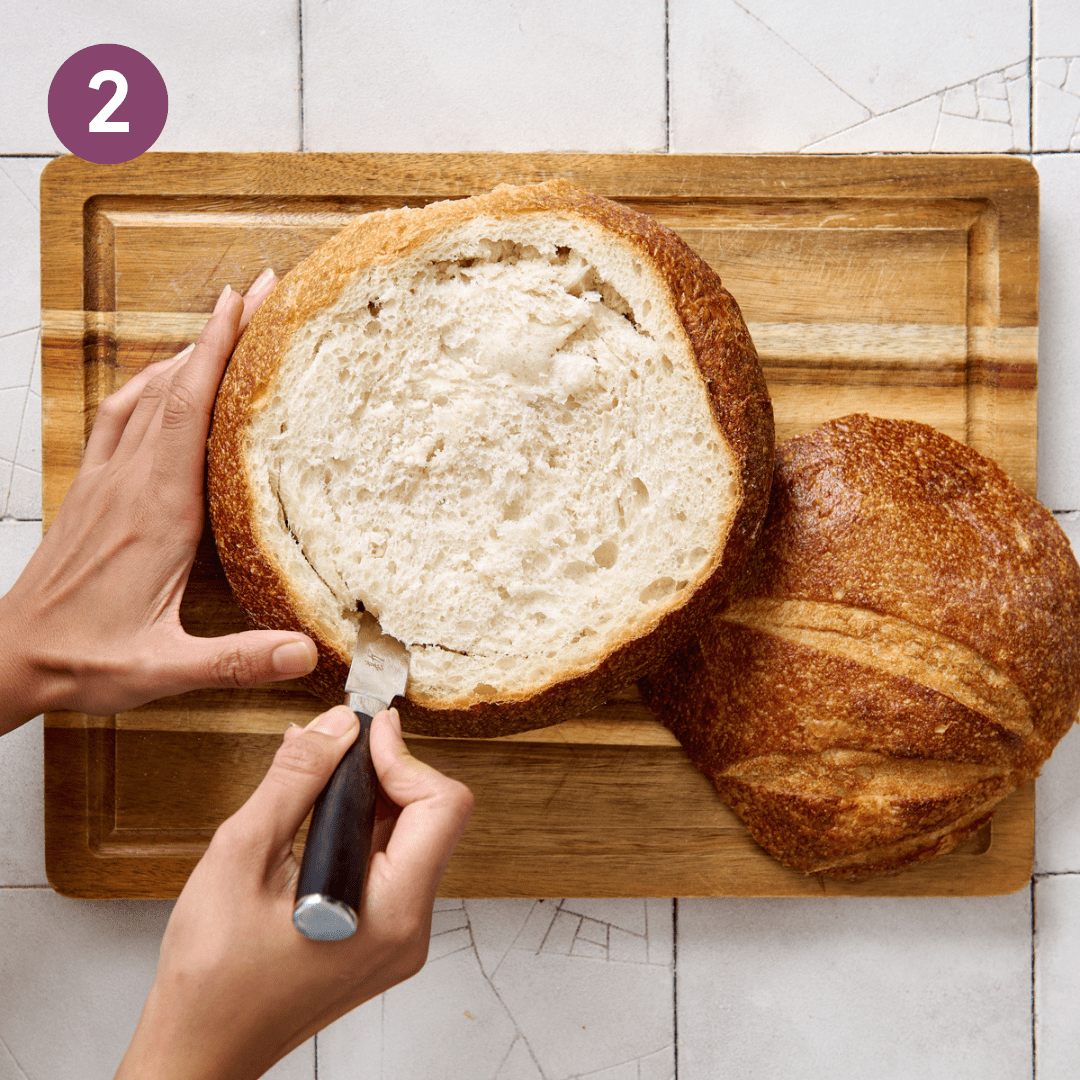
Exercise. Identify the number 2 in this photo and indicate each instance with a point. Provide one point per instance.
(101, 122)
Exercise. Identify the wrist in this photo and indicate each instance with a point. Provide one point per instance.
(178, 1039)
(23, 696)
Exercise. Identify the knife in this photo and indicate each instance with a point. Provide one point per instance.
(335, 859)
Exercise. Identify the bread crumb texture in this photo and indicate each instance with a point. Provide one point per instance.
(493, 433)
(902, 652)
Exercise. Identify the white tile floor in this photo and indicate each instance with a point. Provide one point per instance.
(524, 990)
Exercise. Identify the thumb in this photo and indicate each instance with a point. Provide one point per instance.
(245, 659)
(300, 769)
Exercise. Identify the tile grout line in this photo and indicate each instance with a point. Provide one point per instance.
(1034, 1044)
(675, 984)
(300, 68)
(667, 76)
(1031, 76)
(18, 442)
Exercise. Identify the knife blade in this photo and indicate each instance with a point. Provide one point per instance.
(335, 859)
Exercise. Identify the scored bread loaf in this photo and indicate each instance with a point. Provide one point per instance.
(526, 430)
(902, 652)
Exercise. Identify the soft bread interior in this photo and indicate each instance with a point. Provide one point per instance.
(499, 444)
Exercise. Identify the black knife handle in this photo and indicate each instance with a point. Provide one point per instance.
(335, 859)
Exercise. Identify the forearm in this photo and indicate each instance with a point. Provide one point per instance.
(162, 1047)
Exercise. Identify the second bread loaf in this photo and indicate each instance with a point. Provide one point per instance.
(902, 653)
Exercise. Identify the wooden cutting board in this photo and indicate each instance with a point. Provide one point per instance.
(900, 286)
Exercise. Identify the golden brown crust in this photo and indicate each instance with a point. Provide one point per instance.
(730, 371)
(855, 765)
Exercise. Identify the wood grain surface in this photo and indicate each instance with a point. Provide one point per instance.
(900, 286)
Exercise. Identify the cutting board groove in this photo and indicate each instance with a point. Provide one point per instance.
(900, 286)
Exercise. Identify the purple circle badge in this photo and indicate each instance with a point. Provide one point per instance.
(108, 104)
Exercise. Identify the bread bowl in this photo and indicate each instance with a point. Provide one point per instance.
(901, 653)
(527, 430)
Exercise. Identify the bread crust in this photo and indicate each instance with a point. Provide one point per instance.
(730, 373)
(851, 758)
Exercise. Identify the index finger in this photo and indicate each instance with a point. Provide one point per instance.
(185, 414)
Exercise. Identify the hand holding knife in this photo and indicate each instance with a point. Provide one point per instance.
(335, 858)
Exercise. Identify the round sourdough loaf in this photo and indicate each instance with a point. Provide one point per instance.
(527, 431)
(902, 652)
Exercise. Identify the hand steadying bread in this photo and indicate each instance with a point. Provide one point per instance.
(527, 431)
(902, 652)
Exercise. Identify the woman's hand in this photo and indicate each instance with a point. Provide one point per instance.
(237, 986)
(93, 622)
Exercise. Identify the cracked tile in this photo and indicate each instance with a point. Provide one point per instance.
(766, 75)
(995, 108)
(585, 947)
(991, 86)
(593, 931)
(446, 919)
(1051, 71)
(73, 978)
(578, 1014)
(1056, 69)
(561, 934)
(537, 925)
(445, 944)
(519, 1064)
(1072, 77)
(496, 925)
(903, 129)
(888, 56)
(658, 1066)
(736, 87)
(627, 948)
(988, 114)
(24, 494)
(961, 101)
(625, 913)
(1057, 106)
(958, 135)
(17, 358)
(12, 405)
(627, 1071)
(540, 995)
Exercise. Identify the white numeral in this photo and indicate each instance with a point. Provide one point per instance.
(101, 122)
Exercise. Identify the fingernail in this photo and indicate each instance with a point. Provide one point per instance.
(336, 722)
(221, 300)
(261, 280)
(184, 351)
(294, 658)
(395, 719)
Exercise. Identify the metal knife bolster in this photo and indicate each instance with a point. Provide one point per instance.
(366, 703)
